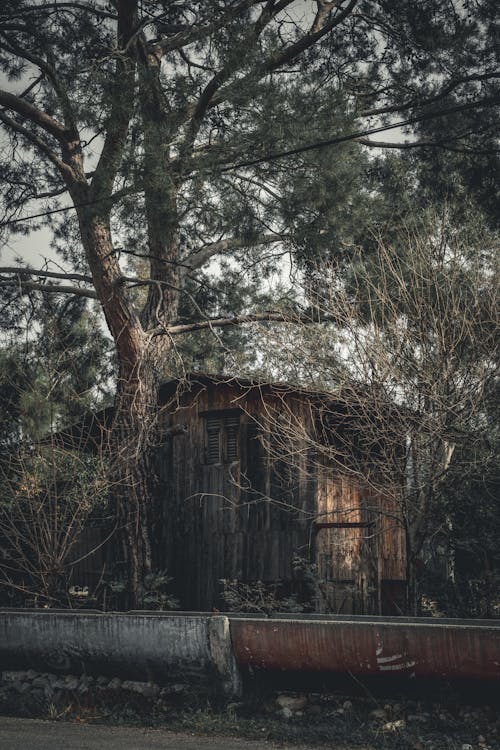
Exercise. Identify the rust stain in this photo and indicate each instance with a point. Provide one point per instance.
(370, 647)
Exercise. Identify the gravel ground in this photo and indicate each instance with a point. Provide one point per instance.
(313, 719)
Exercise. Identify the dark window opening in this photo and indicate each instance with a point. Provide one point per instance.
(221, 437)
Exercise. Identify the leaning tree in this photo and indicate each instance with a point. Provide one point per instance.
(212, 136)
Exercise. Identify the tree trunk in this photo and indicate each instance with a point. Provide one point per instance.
(135, 437)
(135, 433)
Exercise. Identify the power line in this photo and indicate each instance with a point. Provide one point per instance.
(316, 145)
(372, 131)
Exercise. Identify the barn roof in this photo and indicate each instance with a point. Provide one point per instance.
(352, 399)
(203, 379)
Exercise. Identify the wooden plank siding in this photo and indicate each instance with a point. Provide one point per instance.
(247, 518)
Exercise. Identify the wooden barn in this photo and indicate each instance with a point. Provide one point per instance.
(255, 489)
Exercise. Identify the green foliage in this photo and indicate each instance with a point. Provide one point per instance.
(157, 595)
(48, 494)
(56, 375)
(173, 180)
(256, 597)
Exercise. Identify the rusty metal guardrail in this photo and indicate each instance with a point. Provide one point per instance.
(370, 646)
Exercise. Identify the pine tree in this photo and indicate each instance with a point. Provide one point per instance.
(175, 131)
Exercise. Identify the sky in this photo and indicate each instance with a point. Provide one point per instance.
(34, 249)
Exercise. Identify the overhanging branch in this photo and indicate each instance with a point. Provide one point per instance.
(200, 257)
(35, 115)
(26, 286)
(267, 316)
(39, 143)
(26, 271)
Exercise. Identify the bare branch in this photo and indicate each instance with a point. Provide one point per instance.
(200, 257)
(35, 115)
(49, 288)
(40, 144)
(324, 8)
(20, 271)
(236, 320)
(445, 145)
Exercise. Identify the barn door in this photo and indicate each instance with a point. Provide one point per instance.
(344, 545)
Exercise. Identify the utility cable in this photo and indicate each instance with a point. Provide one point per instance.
(490, 102)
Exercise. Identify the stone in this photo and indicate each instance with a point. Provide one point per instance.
(147, 689)
(12, 676)
(347, 705)
(115, 683)
(286, 713)
(394, 726)
(40, 682)
(102, 680)
(71, 682)
(176, 689)
(292, 702)
(466, 746)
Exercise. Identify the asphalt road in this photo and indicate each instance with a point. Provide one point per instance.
(32, 734)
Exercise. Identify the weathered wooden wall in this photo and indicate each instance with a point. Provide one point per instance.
(244, 519)
(247, 518)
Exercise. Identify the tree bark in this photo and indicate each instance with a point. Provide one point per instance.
(135, 436)
(135, 430)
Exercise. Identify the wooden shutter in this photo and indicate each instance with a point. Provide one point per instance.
(213, 437)
(232, 432)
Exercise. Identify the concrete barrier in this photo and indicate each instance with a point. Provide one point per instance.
(162, 647)
(209, 649)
